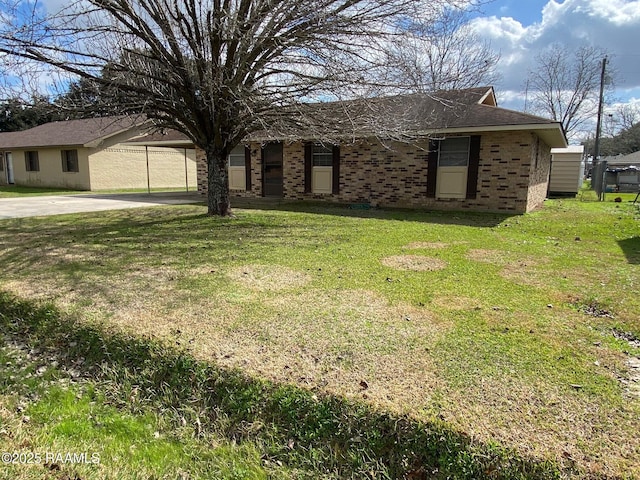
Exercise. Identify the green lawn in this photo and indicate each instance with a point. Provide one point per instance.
(13, 191)
(486, 345)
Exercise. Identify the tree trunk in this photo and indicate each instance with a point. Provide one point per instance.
(218, 201)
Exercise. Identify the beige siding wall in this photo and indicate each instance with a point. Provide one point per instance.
(124, 166)
(115, 164)
(510, 179)
(566, 173)
(51, 174)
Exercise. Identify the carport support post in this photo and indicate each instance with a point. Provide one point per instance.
(186, 171)
(146, 151)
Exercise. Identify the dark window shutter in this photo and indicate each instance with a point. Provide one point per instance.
(247, 167)
(432, 168)
(308, 158)
(336, 170)
(474, 165)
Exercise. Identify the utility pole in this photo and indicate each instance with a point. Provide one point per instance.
(599, 168)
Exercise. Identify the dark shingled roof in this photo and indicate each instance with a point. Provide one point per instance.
(394, 117)
(412, 116)
(84, 132)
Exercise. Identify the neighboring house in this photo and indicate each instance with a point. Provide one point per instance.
(466, 153)
(567, 170)
(96, 154)
(623, 161)
(623, 179)
(623, 173)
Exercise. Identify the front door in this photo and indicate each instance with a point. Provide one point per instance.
(9, 168)
(272, 170)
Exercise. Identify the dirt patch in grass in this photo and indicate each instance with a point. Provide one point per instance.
(426, 245)
(417, 263)
(268, 277)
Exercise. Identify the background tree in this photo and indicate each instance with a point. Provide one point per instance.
(87, 98)
(443, 54)
(626, 141)
(217, 70)
(18, 114)
(564, 84)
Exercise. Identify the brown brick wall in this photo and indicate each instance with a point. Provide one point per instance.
(396, 174)
(539, 177)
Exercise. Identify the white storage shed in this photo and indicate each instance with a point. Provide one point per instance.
(567, 170)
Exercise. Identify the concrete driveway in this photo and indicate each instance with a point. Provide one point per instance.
(18, 207)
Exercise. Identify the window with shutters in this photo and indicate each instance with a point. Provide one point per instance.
(322, 168)
(237, 169)
(453, 163)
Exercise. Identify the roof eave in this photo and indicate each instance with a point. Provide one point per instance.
(161, 143)
(551, 133)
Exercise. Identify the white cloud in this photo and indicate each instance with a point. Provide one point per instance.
(611, 24)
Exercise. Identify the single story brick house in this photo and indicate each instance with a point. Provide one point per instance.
(97, 154)
(460, 151)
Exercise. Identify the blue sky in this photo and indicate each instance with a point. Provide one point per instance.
(519, 29)
(527, 11)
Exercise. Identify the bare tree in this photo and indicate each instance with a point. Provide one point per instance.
(626, 116)
(444, 54)
(217, 70)
(564, 84)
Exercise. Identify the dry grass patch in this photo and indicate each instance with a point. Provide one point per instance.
(524, 272)
(568, 423)
(454, 302)
(426, 246)
(352, 343)
(417, 263)
(355, 343)
(268, 277)
(497, 257)
(113, 294)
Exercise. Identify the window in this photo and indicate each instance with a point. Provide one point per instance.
(322, 156)
(322, 169)
(70, 161)
(453, 166)
(237, 170)
(454, 152)
(236, 157)
(31, 161)
(1, 161)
